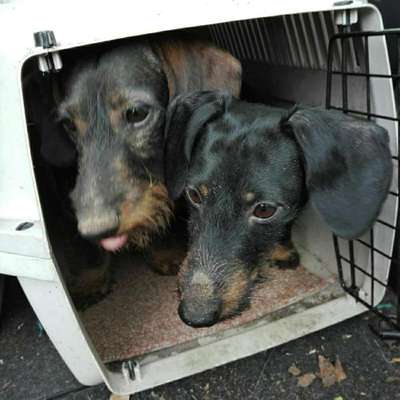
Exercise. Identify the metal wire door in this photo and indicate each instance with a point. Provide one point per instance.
(344, 44)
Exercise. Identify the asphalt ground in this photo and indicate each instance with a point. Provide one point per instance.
(31, 369)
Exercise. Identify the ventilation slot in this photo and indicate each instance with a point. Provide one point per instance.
(299, 41)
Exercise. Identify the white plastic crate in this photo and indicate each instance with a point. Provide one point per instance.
(295, 74)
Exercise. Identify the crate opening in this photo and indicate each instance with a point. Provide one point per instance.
(138, 316)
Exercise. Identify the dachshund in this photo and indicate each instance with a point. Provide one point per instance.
(247, 170)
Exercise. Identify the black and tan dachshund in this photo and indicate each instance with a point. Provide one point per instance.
(114, 111)
(247, 171)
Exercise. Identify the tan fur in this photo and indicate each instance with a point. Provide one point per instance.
(122, 170)
(283, 255)
(115, 118)
(216, 69)
(118, 105)
(254, 274)
(234, 292)
(230, 294)
(201, 285)
(282, 252)
(81, 125)
(203, 189)
(172, 56)
(248, 197)
(148, 216)
(117, 102)
(198, 290)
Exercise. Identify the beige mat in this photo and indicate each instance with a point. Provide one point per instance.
(140, 314)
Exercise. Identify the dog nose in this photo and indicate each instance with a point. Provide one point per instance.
(198, 317)
(98, 226)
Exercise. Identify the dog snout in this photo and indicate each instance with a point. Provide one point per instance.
(199, 313)
(200, 305)
(213, 287)
(98, 225)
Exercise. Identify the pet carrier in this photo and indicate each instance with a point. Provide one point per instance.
(314, 52)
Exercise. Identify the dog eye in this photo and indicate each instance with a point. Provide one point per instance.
(137, 114)
(194, 196)
(68, 124)
(264, 211)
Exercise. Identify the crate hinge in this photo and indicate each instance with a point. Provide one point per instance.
(50, 61)
(346, 17)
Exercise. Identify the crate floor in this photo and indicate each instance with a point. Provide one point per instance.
(140, 314)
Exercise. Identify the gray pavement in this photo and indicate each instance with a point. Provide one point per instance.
(31, 369)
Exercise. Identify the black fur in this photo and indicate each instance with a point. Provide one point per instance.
(232, 148)
(187, 116)
(348, 167)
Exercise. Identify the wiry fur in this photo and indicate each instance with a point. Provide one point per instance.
(119, 188)
(150, 216)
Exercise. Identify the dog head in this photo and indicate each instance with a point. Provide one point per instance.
(247, 170)
(114, 110)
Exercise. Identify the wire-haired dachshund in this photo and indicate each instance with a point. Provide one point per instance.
(247, 171)
(114, 111)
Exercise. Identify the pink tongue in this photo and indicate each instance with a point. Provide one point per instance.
(114, 243)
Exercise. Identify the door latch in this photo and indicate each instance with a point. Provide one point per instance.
(131, 370)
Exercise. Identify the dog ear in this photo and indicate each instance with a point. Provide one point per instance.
(186, 116)
(191, 65)
(348, 167)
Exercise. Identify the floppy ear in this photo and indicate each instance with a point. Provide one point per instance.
(191, 65)
(187, 115)
(348, 167)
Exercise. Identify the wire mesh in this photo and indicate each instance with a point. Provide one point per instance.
(347, 266)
